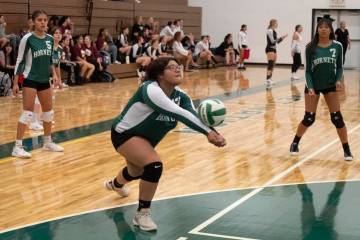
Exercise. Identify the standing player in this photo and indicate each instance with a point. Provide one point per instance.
(35, 63)
(242, 45)
(323, 75)
(342, 36)
(296, 51)
(272, 41)
(149, 115)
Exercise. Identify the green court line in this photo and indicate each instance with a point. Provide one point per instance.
(33, 143)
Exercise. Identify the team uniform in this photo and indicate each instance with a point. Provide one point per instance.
(57, 53)
(324, 68)
(151, 114)
(272, 41)
(242, 40)
(34, 61)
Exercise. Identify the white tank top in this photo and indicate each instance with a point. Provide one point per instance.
(296, 44)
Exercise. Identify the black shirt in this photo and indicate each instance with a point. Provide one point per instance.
(342, 37)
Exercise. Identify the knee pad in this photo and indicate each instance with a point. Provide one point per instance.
(26, 117)
(48, 116)
(152, 172)
(309, 119)
(337, 119)
(270, 64)
(127, 176)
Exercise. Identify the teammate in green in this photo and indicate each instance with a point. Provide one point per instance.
(150, 114)
(324, 71)
(35, 64)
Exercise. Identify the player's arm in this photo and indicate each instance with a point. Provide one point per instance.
(156, 99)
(339, 64)
(309, 80)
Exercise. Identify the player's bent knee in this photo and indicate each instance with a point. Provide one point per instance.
(337, 119)
(26, 117)
(309, 119)
(152, 172)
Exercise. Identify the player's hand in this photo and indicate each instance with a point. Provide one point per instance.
(311, 92)
(15, 90)
(216, 139)
(56, 81)
(339, 86)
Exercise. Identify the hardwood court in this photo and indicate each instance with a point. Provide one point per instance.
(259, 128)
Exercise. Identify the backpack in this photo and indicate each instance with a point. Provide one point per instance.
(106, 58)
(5, 84)
(106, 77)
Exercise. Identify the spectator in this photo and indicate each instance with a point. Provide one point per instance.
(163, 47)
(7, 60)
(66, 26)
(91, 54)
(138, 56)
(67, 65)
(105, 37)
(53, 24)
(153, 26)
(226, 50)
(182, 54)
(137, 28)
(178, 26)
(29, 28)
(2, 26)
(188, 42)
(122, 42)
(202, 51)
(78, 55)
(168, 31)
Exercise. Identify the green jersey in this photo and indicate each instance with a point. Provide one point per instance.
(57, 56)
(151, 114)
(35, 57)
(325, 67)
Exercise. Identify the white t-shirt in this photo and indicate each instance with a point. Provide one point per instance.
(296, 44)
(242, 39)
(167, 31)
(178, 47)
(200, 47)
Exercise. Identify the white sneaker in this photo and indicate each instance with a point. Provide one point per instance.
(53, 147)
(269, 84)
(143, 220)
(64, 85)
(36, 126)
(109, 185)
(117, 62)
(18, 151)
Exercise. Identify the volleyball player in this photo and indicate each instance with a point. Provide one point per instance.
(272, 41)
(35, 63)
(150, 114)
(324, 70)
(296, 51)
(242, 45)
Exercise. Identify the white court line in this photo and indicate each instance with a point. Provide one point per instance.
(203, 225)
(224, 236)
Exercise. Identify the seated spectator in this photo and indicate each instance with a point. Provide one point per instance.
(147, 37)
(78, 55)
(29, 28)
(188, 42)
(163, 46)
(105, 37)
(138, 56)
(137, 28)
(167, 31)
(2, 26)
(92, 55)
(123, 43)
(7, 60)
(153, 26)
(67, 65)
(53, 24)
(182, 54)
(66, 26)
(154, 50)
(226, 50)
(202, 51)
(178, 26)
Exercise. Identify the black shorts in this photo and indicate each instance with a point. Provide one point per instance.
(269, 49)
(119, 139)
(36, 85)
(323, 91)
(243, 46)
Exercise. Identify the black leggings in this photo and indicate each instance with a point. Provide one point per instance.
(344, 52)
(296, 62)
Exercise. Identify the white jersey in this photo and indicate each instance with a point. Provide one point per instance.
(242, 39)
(167, 31)
(296, 44)
(200, 47)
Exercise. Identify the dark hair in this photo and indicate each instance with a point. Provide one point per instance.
(227, 37)
(243, 26)
(311, 47)
(203, 37)
(157, 68)
(62, 20)
(176, 21)
(101, 30)
(37, 13)
(297, 27)
(176, 36)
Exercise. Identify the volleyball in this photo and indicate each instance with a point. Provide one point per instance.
(212, 112)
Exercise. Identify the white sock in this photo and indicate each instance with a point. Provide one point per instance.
(47, 139)
(18, 143)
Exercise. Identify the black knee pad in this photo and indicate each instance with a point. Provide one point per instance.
(270, 64)
(152, 172)
(337, 119)
(309, 119)
(127, 176)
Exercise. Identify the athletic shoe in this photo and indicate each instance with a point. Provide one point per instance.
(123, 191)
(348, 156)
(36, 126)
(18, 151)
(294, 149)
(242, 68)
(143, 220)
(53, 147)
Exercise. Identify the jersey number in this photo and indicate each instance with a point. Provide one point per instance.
(48, 44)
(333, 50)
